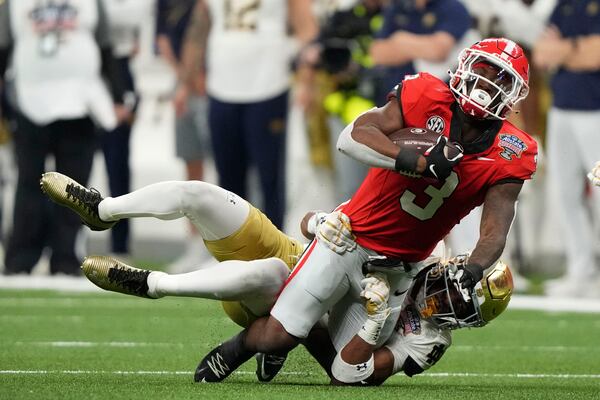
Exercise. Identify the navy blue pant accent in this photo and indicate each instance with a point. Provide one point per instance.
(116, 148)
(252, 134)
(38, 222)
(115, 145)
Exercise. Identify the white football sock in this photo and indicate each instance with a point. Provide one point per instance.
(216, 212)
(258, 280)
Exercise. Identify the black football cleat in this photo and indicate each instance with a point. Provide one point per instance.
(222, 360)
(65, 191)
(111, 274)
(268, 366)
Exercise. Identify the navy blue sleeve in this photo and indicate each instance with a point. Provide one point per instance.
(454, 19)
(555, 16)
(389, 27)
(161, 17)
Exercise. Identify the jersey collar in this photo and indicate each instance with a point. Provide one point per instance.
(483, 142)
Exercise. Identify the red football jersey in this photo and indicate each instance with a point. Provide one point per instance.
(405, 218)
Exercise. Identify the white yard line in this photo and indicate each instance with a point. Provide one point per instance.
(297, 373)
(81, 284)
(463, 348)
(68, 344)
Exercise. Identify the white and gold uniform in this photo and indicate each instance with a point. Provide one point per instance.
(236, 234)
(256, 239)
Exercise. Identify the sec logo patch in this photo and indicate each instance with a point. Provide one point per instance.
(436, 124)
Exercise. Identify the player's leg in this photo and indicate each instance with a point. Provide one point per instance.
(256, 283)
(318, 281)
(216, 212)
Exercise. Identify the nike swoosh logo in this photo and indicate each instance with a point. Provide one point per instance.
(432, 170)
(399, 293)
(485, 159)
(199, 372)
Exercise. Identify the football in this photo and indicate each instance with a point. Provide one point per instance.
(420, 140)
(416, 139)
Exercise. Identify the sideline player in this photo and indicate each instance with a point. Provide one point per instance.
(400, 219)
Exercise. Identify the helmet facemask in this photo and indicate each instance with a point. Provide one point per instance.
(442, 298)
(486, 86)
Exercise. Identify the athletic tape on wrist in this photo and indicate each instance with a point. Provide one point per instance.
(370, 331)
(314, 221)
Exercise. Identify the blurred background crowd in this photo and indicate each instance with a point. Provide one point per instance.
(252, 94)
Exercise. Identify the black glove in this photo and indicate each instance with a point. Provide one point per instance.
(472, 273)
(438, 164)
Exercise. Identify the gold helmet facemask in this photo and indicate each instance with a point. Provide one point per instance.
(442, 298)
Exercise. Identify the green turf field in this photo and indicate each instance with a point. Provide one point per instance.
(106, 346)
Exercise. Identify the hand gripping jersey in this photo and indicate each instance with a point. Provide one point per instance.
(404, 218)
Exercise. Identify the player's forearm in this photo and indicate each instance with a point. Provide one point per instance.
(585, 55)
(368, 146)
(403, 47)
(487, 251)
(303, 21)
(434, 47)
(195, 43)
(498, 213)
(304, 228)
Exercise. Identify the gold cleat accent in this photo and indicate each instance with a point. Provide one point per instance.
(108, 273)
(65, 191)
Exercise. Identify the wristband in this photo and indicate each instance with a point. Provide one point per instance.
(406, 161)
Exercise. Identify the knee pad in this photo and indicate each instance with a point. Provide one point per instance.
(352, 373)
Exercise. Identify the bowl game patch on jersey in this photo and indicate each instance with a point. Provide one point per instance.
(511, 146)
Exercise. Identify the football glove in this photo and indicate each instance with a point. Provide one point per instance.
(439, 166)
(335, 231)
(376, 292)
(471, 274)
(594, 175)
(467, 273)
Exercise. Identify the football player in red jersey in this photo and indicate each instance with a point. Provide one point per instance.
(397, 220)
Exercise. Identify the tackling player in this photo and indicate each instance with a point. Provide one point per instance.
(398, 220)
(418, 341)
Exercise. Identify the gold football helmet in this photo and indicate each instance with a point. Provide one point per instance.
(439, 295)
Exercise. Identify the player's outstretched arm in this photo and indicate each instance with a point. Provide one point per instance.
(498, 214)
(594, 174)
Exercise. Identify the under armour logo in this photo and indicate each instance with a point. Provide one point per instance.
(231, 198)
(218, 365)
(361, 367)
